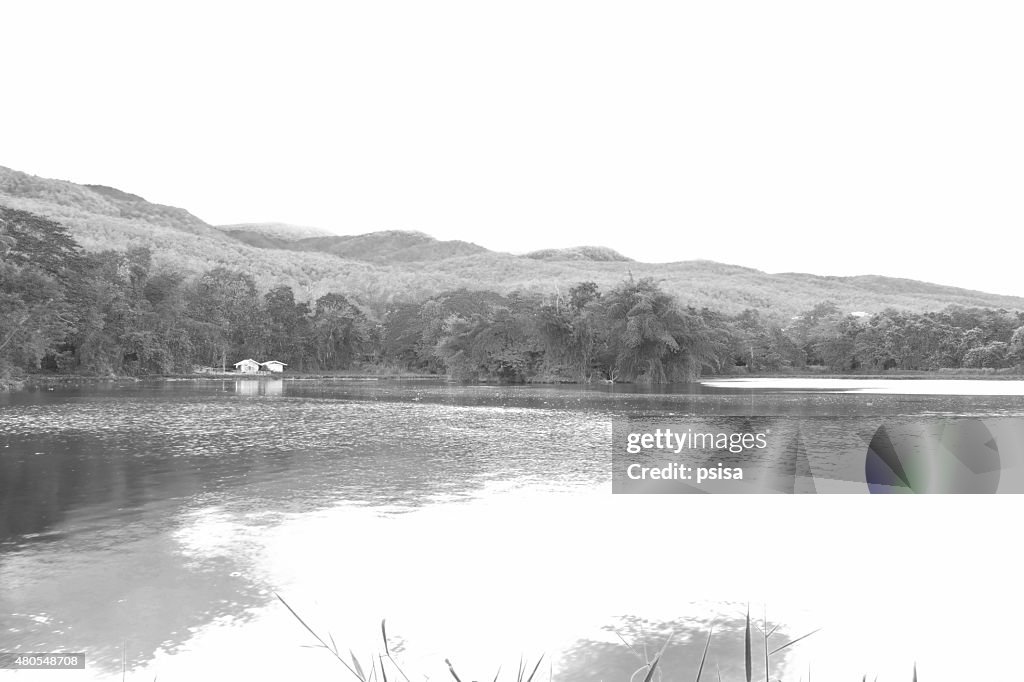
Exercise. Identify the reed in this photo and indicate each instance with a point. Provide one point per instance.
(377, 670)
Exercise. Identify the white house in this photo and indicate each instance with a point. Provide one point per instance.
(248, 366)
(273, 366)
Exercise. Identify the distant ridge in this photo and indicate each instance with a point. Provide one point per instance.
(592, 253)
(389, 246)
(62, 199)
(393, 265)
(114, 193)
(285, 231)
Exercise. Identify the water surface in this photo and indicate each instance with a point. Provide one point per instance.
(160, 519)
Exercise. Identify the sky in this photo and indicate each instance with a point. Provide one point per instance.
(833, 138)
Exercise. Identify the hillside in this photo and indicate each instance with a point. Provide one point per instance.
(283, 231)
(384, 266)
(594, 253)
(392, 246)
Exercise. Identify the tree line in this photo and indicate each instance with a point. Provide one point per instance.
(68, 311)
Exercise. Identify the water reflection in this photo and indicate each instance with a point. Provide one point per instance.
(98, 588)
(478, 518)
(113, 456)
(678, 645)
(932, 387)
(252, 387)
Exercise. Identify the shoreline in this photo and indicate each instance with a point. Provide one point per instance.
(65, 380)
(36, 381)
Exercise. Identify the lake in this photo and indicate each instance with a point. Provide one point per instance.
(153, 524)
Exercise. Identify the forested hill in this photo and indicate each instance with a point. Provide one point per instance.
(383, 248)
(381, 267)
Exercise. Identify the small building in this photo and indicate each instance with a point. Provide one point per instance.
(273, 366)
(247, 366)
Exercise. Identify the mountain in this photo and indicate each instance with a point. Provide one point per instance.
(391, 246)
(380, 267)
(94, 201)
(283, 231)
(594, 253)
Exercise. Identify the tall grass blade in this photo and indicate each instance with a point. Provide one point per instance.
(915, 671)
(671, 634)
(451, 669)
(704, 656)
(630, 646)
(397, 667)
(766, 654)
(384, 636)
(497, 673)
(747, 661)
(530, 678)
(650, 673)
(355, 664)
(318, 638)
(778, 649)
(383, 673)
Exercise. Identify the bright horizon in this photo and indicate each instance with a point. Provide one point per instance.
(878, 139)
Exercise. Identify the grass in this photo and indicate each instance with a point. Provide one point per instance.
(375, 669)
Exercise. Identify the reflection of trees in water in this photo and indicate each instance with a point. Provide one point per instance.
(46, 475)
(139, 592)
(128, 576)
(677, 399)
(592, 661)
(322, 451)
(388, 443)
(118, 457)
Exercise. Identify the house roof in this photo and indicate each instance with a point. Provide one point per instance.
(242, 362)
(276, 362)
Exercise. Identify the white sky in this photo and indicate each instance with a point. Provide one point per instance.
(835, 138)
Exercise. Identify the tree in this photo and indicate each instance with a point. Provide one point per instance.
(33, 316)
(341, 332)
(402, 336)
(225, 309)
(650, 339)
(287, 333)
(1015, 350)
(572, 333)
(500, 343)
(30, 240)
(760, 344)
(39, 259)
(992, 355)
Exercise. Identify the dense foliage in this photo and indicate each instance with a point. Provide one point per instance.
(115, 312)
